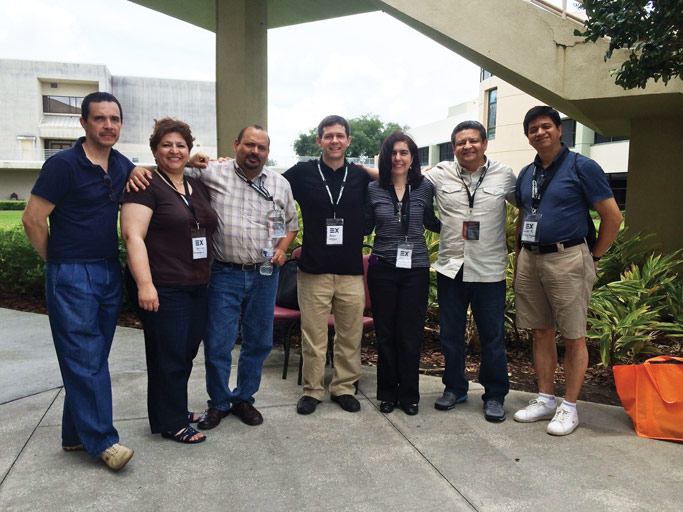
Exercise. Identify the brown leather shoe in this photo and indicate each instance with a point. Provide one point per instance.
(212, 418)
(247, 413)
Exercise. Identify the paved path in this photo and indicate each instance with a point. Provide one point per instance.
(329, 461)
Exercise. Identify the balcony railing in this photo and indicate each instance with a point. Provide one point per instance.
(17, 155)
(559, 7)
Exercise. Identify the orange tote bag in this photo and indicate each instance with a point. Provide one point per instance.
(652, 396)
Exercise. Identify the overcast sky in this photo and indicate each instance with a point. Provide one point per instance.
(364, 64)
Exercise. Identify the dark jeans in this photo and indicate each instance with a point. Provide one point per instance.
(172, 337)
(399, 304)
(488, 306)
(83, 301)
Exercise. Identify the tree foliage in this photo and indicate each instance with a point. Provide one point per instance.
(367, 134)
(650, 29)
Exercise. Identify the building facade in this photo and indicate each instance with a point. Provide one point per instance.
(501, 107)
(41, 106)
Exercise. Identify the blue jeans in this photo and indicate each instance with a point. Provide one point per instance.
(235, 293)
(83, 301)
(488, 307)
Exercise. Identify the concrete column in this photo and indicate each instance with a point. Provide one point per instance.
(433, 155)
(583, 139)
(241, 68)
(655, 181)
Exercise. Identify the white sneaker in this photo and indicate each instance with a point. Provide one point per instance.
(535, 411)
(564, 422)
(116, 456)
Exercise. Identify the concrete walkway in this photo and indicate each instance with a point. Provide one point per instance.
(329, 461)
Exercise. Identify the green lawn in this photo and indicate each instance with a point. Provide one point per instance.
(10, 218)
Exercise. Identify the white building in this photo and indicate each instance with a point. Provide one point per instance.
(40, 104)
(501, 109)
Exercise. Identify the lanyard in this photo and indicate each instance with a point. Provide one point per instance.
(259, 188)
(540, 185)
(470, 195)
(329, 192)
(186, 198)
(402, 207)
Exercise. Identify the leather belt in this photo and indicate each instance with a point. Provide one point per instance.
(556, 247)
(239, 266)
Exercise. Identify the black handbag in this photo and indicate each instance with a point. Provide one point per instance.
(286, 288)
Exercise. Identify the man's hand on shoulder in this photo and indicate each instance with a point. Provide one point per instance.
(138, 179)
(198, 160)
(201, 160)
(371, 171)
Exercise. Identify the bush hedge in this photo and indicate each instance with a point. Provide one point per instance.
(636, 308)
(12, 205)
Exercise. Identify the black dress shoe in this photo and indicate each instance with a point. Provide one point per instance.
(409, 409)
(247, 413)
(306, 405)
(387, 407)
(347, 402)
(212, 418)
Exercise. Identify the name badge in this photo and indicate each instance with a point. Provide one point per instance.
(199, 247)
(404, 255)
(276, 224)
(335, 231)
(470, 230)
(530, 228)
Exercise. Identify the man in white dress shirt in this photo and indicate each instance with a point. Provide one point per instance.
(471, 194)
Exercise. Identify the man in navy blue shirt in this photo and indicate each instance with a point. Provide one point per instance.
(555, 268)
(79, 189)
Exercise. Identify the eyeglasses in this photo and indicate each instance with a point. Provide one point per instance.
(110, 188)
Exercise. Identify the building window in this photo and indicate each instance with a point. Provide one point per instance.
(445, 152)
(569, 132)
(617, 182)
(53, 146)
(492, 106)
(483, 75)
(601, 139)
(62, 105)
(423, 155)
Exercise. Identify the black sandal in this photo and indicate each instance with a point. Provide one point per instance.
(185, 436)
(191, 417)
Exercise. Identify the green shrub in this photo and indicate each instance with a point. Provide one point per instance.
(12, 205)
(22, 271)
(625, 251)
(627, 315)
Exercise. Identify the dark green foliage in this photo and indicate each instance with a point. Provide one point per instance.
(651, 30)
(367, 134)
(22, 271)
(628, 314)
(306, 144)
(12, 205)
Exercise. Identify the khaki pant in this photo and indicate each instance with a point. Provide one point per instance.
(554, 290)
(344, 297)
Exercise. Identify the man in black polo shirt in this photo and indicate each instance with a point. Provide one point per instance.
(331, 194)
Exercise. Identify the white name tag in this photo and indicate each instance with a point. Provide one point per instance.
(404, 255)
(335, 231)
(199, 250)
(199, 247)
(530, 231)
(276, 224)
